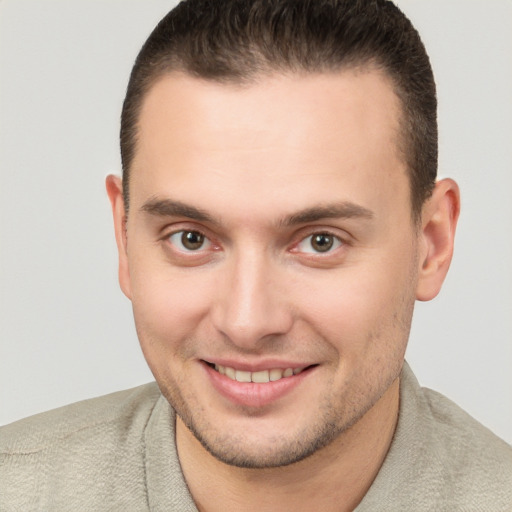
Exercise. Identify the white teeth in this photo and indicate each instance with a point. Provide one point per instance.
(259, 377)
(242, 376)
(275, 374)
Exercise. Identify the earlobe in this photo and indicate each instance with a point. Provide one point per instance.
(115, 193)
(439, 221)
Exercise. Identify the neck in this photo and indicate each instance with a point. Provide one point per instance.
(335, 478)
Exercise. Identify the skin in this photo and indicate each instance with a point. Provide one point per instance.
(256, 167)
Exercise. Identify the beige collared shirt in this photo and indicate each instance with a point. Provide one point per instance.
(118, 453)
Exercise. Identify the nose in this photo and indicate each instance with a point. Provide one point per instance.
(251, 307)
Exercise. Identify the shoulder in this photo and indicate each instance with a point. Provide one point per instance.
(453, 420)
(471, 448)
(88, 452)
(467, 463)
(41, 431)
(440, 459)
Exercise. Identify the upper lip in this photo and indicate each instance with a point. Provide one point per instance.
(259, 366)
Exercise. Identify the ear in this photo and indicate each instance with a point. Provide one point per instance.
(439, 220)
(115, 193)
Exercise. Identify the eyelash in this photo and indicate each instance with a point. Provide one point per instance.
(336, 242)
(183, 232)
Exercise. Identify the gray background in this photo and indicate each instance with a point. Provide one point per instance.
(66, 329)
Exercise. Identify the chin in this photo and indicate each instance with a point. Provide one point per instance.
(280, 448)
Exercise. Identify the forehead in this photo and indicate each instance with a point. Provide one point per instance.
(310, 135)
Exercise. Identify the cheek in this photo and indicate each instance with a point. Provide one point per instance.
(168, 306)
(364, 308)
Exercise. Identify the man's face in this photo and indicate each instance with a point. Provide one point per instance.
(270, 234)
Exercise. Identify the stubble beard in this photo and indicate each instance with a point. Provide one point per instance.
(335, 416)
(276, 451)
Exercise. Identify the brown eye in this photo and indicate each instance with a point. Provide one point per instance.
(189, 240)
(322, 242)
(192, 240)
(319, 243)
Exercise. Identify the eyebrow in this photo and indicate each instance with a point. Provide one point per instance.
(345, 209)
(171, 208)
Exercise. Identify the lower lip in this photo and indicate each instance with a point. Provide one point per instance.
(252, 394)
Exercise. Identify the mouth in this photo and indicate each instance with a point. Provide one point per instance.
(259, 377)
(256, 389)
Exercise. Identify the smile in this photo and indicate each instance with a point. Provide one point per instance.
(259, 377)
(264, 385)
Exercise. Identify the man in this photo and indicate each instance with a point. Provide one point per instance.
(278, 217)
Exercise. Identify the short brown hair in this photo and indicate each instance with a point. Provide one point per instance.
(239, 40)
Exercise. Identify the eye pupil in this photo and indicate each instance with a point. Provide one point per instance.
(192, 240)
(322, 242)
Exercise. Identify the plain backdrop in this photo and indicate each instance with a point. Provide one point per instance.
(66, 329)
